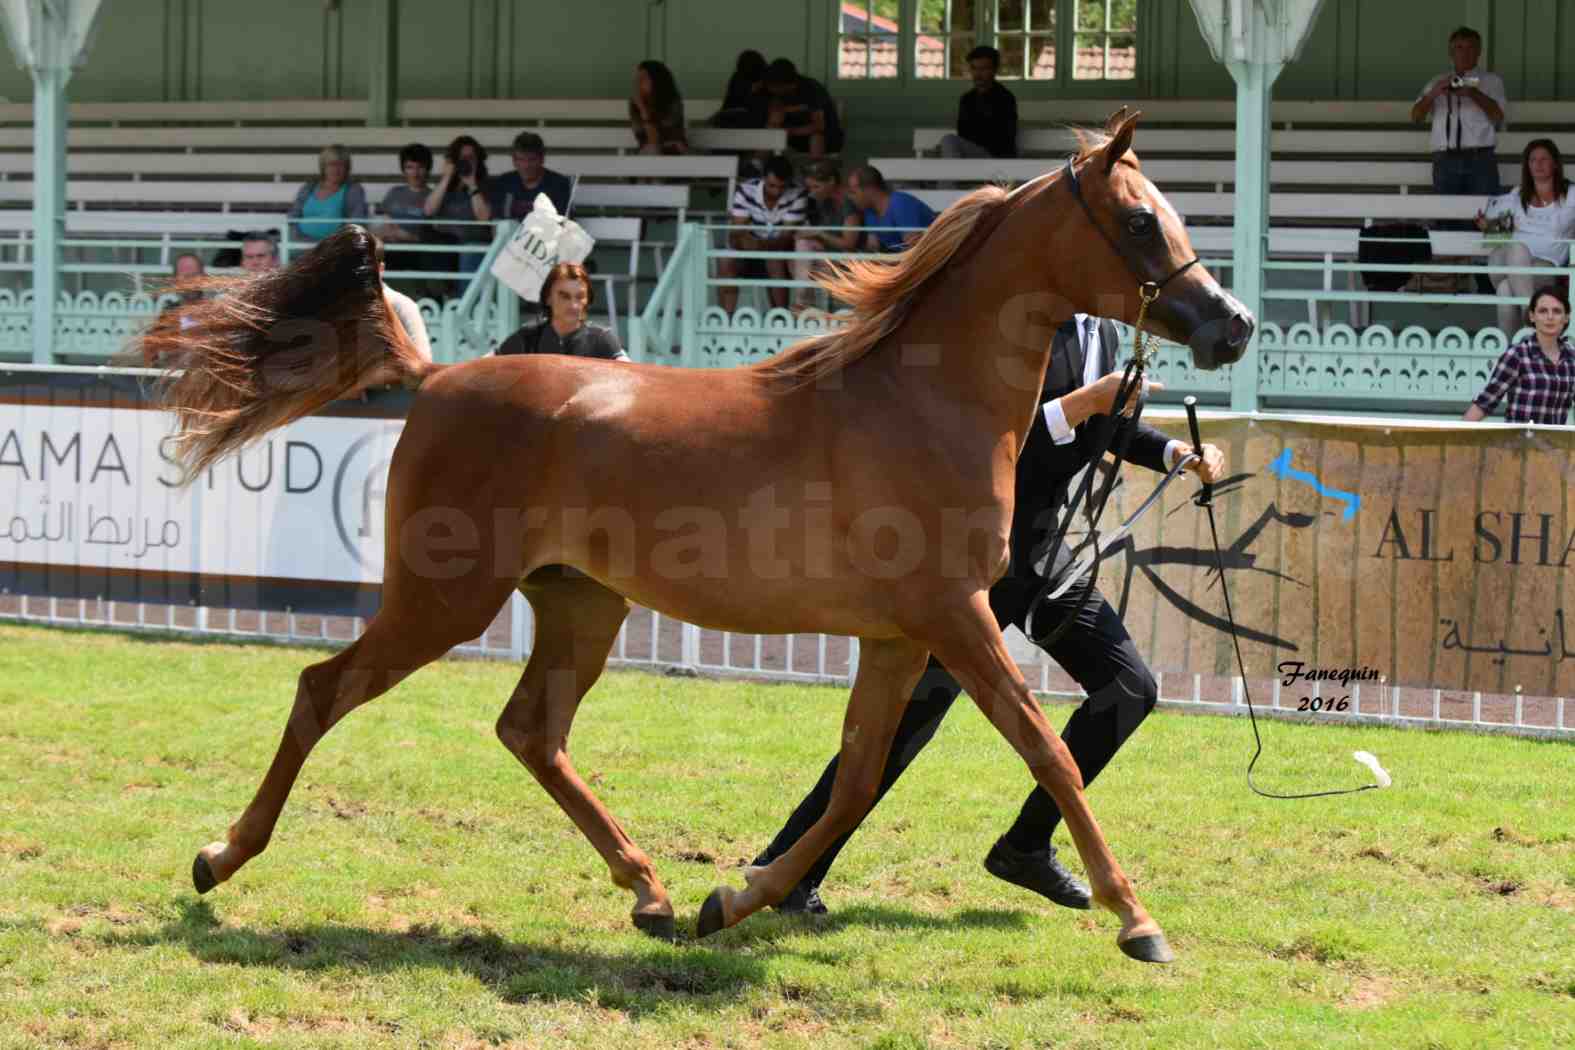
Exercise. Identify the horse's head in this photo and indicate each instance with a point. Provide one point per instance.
(1143, 242)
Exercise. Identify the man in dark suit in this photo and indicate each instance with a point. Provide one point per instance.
(1079, 392)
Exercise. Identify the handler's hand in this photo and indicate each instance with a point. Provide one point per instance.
(1212, 466)
(1106, 387)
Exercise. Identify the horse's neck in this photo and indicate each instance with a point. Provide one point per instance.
(952, 351)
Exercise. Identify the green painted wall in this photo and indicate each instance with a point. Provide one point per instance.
(242, 49)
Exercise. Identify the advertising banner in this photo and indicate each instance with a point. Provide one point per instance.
(1429, 556)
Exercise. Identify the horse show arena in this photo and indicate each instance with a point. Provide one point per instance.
(422, 890)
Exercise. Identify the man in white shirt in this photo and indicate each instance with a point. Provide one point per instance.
(1465, 105)
(765, 210)
(1095, 649)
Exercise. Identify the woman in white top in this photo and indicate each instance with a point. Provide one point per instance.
(1543, 211)
(404, 307)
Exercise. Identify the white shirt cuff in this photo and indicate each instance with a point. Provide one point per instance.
(1174, 450)
(1055, 419)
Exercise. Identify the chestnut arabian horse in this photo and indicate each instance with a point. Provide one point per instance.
(859, 483)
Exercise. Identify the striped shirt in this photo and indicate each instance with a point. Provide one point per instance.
(749, 204)
(1538, 390)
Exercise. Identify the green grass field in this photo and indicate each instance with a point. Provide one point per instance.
(422, 891)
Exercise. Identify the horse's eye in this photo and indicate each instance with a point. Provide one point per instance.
(1140, 224)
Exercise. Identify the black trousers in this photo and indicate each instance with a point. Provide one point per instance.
(1095, 650)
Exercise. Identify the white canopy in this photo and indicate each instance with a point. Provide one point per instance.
(1268, 32)
(49, 34)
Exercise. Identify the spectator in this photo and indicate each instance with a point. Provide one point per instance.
(829, 205)
(987, 115)
(329, 201)
(514, 195)
(407, 202)
(887, 211)
(803, 107)
(1537, 373)
(404, 308)
(738, 106)
(259, 253)
(1465, 104)
(458, 197)
(566, 295)
(1541, 212)
(188, 265)
(766, 205)
(656, 112)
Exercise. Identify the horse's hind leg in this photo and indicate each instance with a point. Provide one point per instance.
(397, 642)
(577, 620)
(888, 671)
(971, 647)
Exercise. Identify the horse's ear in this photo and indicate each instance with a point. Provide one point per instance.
(1120, 139)
(1113, 122)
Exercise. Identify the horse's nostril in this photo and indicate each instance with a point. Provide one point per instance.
(1238, 330)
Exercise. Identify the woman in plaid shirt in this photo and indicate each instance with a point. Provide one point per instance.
(1537, 373)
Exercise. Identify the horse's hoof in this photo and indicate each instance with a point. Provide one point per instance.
(1151, 947)
(202, 875)
(661, 927)
(712, 915)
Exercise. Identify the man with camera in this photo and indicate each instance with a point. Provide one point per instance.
(1466, 105)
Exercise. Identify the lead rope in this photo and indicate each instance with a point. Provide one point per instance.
(1205, 499)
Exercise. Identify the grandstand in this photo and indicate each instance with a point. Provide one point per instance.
(191, 161)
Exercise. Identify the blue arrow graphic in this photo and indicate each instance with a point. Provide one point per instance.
(1281, 467)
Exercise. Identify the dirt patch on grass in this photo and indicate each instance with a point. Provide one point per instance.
(21, 849)
(346, 809)
(1376, 853)
(1368, 991)
(1500, 887)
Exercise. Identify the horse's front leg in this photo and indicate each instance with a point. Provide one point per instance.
(970, 644)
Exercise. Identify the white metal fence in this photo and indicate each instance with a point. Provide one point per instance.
(651, 641)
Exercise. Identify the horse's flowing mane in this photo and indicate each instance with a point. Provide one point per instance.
(881, 292)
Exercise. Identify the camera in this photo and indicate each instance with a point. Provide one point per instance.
(1457, 81)
(466, 167)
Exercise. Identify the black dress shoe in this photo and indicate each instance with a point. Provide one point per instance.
(804, 900)
(1040, 872)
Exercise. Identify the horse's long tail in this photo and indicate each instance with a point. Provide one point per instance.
(262, 351)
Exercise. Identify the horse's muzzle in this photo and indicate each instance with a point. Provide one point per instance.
(1221, 330)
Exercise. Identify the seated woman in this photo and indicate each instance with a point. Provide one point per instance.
(329, 201)
(829, 205)
(1537, 374)
(566, 295)
(460, 198)
(738, 107)
(404, 307)
(656, 112)
(1541, 211)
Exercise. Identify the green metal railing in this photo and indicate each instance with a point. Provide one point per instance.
(94, 325)
(1404, 367)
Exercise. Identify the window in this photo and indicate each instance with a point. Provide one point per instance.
(1025, 36)
(1105, 40)
(1045, 40)
(867, 47)
(946, 35)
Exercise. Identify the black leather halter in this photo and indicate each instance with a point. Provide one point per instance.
(1135, 263)
(1131, 387)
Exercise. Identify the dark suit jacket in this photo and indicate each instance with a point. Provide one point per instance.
(1045, 470)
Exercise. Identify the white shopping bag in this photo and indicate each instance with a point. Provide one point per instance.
(542, 241)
